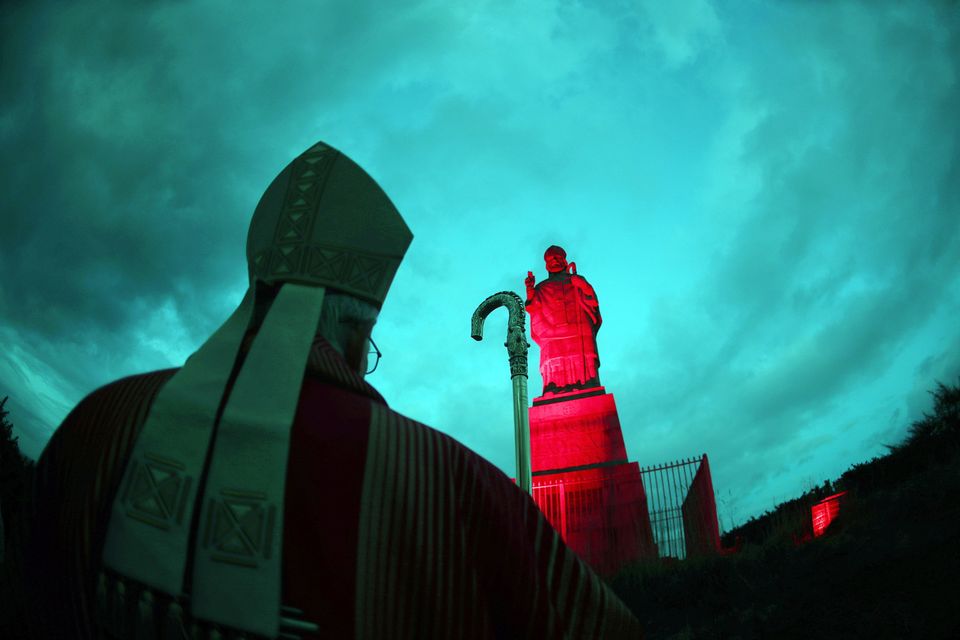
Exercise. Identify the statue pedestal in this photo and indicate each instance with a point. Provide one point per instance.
(575, 429)
(583, 481)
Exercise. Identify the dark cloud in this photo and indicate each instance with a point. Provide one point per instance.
(841, 253)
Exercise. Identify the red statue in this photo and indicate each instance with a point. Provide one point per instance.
(564, 320)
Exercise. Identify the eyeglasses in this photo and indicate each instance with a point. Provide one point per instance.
(374, 355)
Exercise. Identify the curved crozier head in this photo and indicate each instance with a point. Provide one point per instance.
(556, 259)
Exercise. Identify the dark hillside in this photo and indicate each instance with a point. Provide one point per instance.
(888, 567)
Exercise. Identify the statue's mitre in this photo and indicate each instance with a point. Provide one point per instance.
(324, 221)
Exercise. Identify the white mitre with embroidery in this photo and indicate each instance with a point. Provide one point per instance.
(324, 222)
(203, 495)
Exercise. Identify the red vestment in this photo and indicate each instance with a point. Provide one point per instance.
(391, 529)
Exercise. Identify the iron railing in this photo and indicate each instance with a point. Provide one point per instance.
(682, 507)
(680, 504)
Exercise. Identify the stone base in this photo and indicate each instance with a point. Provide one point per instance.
(601, 513)
(577, 431)
(583, 482)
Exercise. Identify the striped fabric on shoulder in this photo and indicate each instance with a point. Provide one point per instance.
(326, 363)
(77, 477)
(407, 587)
(450, 547)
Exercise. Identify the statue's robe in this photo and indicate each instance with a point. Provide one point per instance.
(563, 322)
(391, 529)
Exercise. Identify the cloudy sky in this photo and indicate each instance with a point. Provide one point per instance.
(766, 196)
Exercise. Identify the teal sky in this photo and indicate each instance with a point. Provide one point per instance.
(765, 195)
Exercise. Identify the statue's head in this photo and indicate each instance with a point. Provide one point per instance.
(556, 259)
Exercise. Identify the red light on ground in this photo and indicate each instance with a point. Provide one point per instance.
(824, 512)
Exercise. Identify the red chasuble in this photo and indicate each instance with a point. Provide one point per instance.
(391, 529)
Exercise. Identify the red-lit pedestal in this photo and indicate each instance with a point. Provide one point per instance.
(583, 481)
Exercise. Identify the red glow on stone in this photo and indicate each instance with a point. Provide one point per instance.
(576, 432)
(824, 512)
(601, 513)
(700, 523)
(591, 494)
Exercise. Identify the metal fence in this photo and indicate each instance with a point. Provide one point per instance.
(602, 517)
(683, 512)
(568, 503)
(679, 498)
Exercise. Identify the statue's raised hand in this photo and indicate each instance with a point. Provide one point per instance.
(530, 281)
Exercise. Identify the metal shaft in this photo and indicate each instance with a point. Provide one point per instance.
(521, 423)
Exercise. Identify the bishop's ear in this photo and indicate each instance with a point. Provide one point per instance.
(355, 338)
